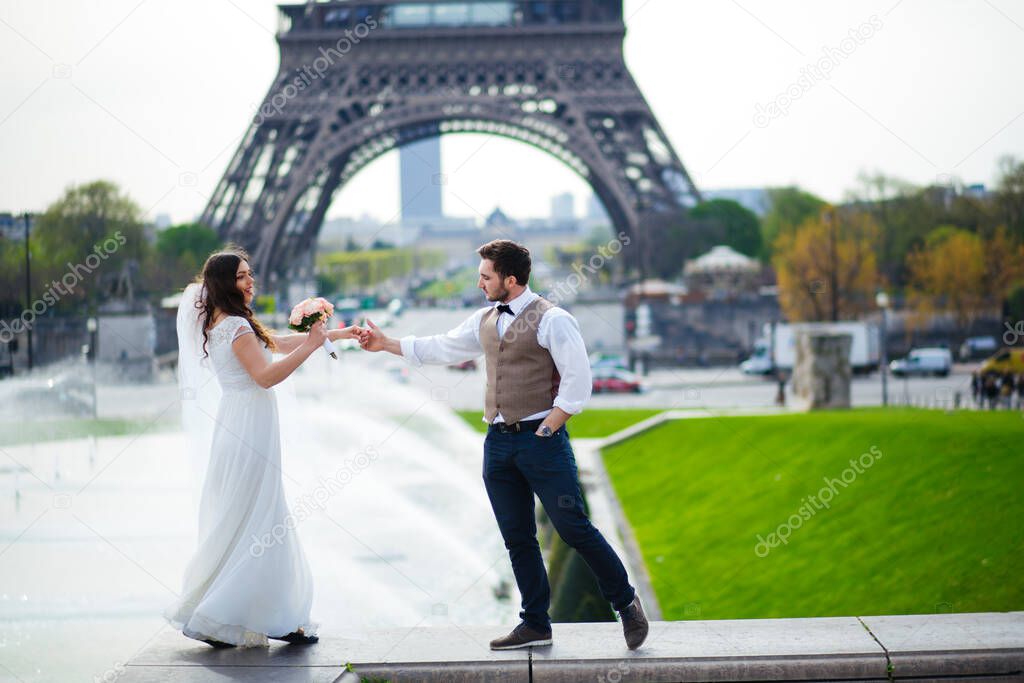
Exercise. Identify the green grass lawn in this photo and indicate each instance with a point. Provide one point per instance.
(590, 423)
(935, 523)
(13, 434)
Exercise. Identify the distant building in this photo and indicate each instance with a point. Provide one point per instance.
(976, 191)
(498, 220)
(162, 221)
(464, 233)
(712, 318)
(754, 199)
(12, 226)
(336, 232)
(723, 274)
(945, 193)
(595, 215)
(563, 208)
(448, 225)
(421, 181)
(336, 229)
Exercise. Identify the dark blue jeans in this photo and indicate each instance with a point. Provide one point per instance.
(518, 465)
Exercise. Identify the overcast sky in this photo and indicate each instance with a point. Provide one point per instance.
(155, 95)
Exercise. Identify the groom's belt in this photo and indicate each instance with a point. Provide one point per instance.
(521, 426)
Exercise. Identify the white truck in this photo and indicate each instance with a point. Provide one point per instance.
(864, 351)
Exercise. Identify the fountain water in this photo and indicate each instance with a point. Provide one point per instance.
(383, 481)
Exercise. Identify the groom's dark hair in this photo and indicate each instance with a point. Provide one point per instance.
(509, 259)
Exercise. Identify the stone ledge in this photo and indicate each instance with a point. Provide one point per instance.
(946, 647)
(952, 645)
(834, 648)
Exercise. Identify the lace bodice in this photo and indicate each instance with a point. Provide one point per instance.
(230, 373)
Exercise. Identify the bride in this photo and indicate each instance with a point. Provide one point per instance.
(233, 595)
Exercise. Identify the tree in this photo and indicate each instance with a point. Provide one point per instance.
(92, 232)
(740, 226)
(877, 187)
(948, 274)
(1010, 196)
(181, 251)
(826, 268)
(907, 214)
(903, 214)
(1014, 309)
(1004, 267)
(12, 277)
(665, 243)
(790, 208)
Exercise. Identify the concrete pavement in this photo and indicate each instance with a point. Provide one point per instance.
(933, 647)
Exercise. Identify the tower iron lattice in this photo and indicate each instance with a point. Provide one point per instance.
(358, 78)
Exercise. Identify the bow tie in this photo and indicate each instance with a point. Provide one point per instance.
(505, 308)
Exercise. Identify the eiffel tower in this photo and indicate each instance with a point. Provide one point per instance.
(361, 77)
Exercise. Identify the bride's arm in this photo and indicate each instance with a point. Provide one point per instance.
(286, 343)
(266, 373)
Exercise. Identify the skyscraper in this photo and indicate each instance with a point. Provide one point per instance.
(563, 208)
(421, 181)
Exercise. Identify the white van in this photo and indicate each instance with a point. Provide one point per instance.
(928, 361)
(864, 349)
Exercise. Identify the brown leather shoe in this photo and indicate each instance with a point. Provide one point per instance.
(634, 624)
(522, 636)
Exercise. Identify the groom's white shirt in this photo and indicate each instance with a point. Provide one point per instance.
(558, 332)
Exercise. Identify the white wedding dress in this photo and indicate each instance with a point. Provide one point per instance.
(249, 577)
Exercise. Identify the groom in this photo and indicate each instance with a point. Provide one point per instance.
(538, 376)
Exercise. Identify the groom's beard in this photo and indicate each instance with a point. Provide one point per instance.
(500, 296)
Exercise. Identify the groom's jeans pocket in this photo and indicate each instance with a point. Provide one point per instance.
(547, 454)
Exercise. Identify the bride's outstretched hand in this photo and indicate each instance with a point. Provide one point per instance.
(370, 337)
(350, 332)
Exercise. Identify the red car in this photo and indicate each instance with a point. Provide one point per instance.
(614, 380)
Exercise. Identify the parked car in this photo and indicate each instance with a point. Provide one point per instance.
(615, 380)
(926, 361)
(347, 311)
(1009, 359)
(977, 348)
(395, 307)
(608, 360)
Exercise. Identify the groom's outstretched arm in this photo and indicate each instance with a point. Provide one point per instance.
(457, 345)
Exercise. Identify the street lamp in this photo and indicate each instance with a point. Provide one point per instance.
(775, 370)
(882, 300)
(28, 285)
(92, 325)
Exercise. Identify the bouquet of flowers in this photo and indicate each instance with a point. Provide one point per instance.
(309, 312)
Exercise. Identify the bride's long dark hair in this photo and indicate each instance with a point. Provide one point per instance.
(219, 279)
